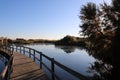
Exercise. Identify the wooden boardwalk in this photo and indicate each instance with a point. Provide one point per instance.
(23, 68)
(26, 69)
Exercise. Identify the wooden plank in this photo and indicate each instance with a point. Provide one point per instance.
(26, 69)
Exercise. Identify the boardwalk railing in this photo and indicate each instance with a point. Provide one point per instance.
(32, 54)
(8, 51)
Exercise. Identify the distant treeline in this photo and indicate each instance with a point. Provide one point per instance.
(72, 41)
(30, 41)
(67, 40)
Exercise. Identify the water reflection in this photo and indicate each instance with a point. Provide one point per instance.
(100, 70)
(102, 67)
(68, 49)
(79, 59)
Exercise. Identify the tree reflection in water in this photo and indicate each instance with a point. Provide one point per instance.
(102, 67)
(68, 49)
(100, 70)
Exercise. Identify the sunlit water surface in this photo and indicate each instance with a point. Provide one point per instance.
(75, 58)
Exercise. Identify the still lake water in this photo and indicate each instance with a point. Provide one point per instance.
(2, 62)
(75, 58)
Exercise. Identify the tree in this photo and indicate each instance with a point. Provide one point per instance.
(93, 26)
(112, 13)
(114, 16)
(101, 25)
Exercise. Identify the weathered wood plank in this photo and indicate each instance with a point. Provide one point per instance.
(26, 69)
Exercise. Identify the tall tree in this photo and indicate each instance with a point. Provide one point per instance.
(114, 16)
(102, 28)
(93, 26)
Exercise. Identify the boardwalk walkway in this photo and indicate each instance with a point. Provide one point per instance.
(26, 69)
(20, 67)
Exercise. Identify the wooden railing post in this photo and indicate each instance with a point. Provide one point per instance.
(41, 61)
(11, 50)
(20, 49)
(24, 50)
(30, 52)
(5, 75)
(52, 68)
(16, 48)
(34, 55)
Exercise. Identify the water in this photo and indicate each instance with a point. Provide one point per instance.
(2, 61)
(76, 58)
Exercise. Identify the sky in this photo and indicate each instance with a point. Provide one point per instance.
(41, 19)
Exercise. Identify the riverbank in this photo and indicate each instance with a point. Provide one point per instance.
(71, 41)
(67, 40)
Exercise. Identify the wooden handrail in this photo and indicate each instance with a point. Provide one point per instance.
(5, 75)
(4, 72)
(53, 63)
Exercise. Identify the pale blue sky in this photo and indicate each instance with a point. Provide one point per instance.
(46, 19)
